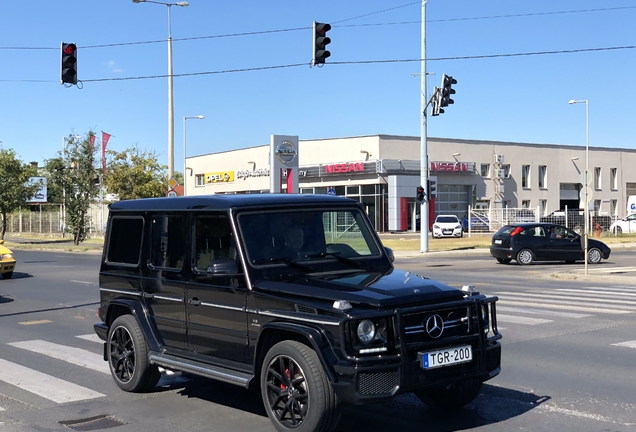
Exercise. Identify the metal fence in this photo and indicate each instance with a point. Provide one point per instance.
(50, 223)
(491, 220)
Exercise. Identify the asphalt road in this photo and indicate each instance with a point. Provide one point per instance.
(569, 355)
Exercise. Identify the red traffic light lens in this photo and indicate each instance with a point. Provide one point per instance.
(69, 49)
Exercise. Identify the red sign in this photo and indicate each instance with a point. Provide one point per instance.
(451, 166)
(344, 168)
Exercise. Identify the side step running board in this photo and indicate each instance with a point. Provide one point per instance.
(202, 369)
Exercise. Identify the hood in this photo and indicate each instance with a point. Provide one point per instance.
(380, 290)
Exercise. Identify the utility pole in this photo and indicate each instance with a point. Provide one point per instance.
(423, 144)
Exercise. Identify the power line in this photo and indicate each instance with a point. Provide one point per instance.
(253, 33)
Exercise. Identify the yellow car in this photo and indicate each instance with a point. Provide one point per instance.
(7, 262)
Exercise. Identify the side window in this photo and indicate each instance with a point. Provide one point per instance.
(213, 240)
(124, 241)
(168, 241)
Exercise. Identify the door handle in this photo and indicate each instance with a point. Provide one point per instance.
(194, 301)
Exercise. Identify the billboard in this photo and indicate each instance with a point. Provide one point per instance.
(40, 195)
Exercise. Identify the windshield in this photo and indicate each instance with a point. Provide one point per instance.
(447, 219)
(273, 238)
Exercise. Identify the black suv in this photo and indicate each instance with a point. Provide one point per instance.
(292, 294)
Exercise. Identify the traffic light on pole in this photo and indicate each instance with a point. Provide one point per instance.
(447, 90)
(69, 63)
(432, 187)
(320, 41)
(421, 194)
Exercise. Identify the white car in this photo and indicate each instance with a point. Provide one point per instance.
(625, 225)
(447, 226)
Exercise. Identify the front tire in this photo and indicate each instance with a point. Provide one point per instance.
(618, 230)
(7, 275)
(128, 356)
(525, 257)
(453, 396)
(594, 256)
(296, 392)
(504, 260)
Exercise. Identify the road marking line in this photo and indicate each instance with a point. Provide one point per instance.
(620, 304)
(90, 337)
(36, 322)
(44, 385)
(76, 356)
(604, 292)
(2, 409)
(563, 306)
(520, 320)
(628, 344)
(541, 312)
(84, 282)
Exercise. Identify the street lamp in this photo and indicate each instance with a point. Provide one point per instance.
(185, 182)
(170, 103)
(586, 175)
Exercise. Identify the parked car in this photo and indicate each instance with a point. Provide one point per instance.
(576, 220)
(529, 242)
(7, 262)
(276, 292)
(626, 225)
(447, 226)
(476, 223)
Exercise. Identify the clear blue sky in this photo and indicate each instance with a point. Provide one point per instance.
(502, 96)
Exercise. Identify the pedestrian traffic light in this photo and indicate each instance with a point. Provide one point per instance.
(432, 187)
(436, 100)
(447, 90)
(421, 194)
(320, 41)
(69, 63)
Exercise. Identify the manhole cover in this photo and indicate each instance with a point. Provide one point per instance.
(93, 423)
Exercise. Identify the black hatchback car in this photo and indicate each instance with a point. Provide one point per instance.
(528, 242)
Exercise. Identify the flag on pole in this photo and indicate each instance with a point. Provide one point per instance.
(105, 138)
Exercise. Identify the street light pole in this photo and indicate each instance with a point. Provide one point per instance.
(170, 102)
(586, 209)
(185, 182)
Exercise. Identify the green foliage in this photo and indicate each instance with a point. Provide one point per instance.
(14, 187)
(80, 184)
(135, 173)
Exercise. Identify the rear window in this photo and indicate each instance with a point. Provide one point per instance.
(506, 230)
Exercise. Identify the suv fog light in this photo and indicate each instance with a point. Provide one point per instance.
(366, 331)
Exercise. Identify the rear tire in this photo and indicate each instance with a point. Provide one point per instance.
(618, 230)
(128, 356)
(453, 396)
(525, 257)
(504, 260)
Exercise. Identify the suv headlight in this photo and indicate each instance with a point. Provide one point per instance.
(366, 331)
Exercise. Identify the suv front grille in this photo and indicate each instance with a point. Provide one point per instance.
(456, 322)
(377, 383)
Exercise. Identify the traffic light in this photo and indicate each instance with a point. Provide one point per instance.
(421, 194)
(432, 187)
(447, 90)
(320, 41)
(69, 63)
(437, 110)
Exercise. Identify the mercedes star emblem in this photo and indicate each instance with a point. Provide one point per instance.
(434, 326)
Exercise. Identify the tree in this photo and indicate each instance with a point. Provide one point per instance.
(135, 173)
(80, 183)
(54, 172)
(15, 188)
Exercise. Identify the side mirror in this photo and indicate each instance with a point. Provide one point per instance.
(389, 253)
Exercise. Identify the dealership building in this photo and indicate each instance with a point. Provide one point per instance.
(383, 172)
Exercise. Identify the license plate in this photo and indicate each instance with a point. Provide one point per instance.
(448, 231)
(446, 357)
(497, 241)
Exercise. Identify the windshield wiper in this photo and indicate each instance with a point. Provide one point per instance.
(337, 256)
(284, 260)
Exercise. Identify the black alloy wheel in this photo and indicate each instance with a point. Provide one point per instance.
(128, 356)
(296, 392)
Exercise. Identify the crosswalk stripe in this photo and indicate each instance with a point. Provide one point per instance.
(596, 292)
(562, 307)
(541, 312)
(44, 385)
(628, 344)
(521, 320)
(619, 304)
(613, 270)
(76, 356)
